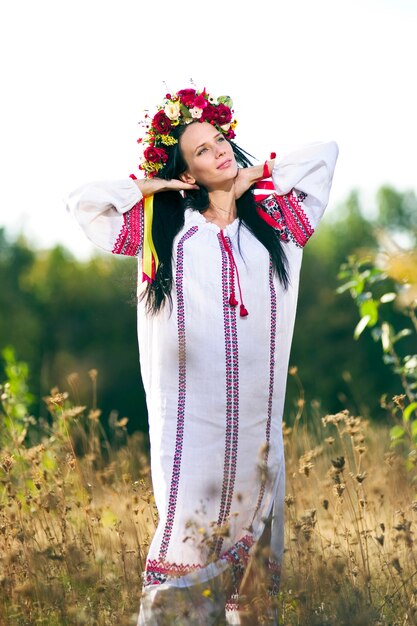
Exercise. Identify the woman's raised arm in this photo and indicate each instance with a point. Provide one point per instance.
(100, 207)
(111, 212)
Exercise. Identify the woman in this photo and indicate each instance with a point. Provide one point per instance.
(219, 245)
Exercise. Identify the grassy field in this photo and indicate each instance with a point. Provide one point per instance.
(77, 515)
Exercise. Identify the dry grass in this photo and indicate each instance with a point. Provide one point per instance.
(77, 515)
(351, 511)
(74, 527)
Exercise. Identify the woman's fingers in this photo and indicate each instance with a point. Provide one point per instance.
(150, 186)
(179, 185)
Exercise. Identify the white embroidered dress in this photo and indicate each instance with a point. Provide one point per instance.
(215, 381)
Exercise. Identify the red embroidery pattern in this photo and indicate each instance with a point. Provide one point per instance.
(275, 220)
(129, 240)
(297, 223)
(164, 567)
(273, 297)
(286, 215)
(153, 578)
(235, 407)
(233, 603)
(232, 395)
(176, 469)
(239, 553)
(237, 557)
(270, 212)
(159, 571)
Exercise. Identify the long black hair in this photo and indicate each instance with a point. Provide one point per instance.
(168, 219)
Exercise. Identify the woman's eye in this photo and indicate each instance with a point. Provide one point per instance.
(201, 151)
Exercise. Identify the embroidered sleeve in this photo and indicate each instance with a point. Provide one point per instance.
(111, 215)
(130, 238)
(299, 191)
(287, 216)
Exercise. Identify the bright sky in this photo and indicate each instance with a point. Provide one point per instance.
(77, 76)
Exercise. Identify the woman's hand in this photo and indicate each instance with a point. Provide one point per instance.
(150, 186)
(247, 176)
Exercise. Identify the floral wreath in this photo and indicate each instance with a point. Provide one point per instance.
(184, 107)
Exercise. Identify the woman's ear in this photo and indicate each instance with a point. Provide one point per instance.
(187, 178)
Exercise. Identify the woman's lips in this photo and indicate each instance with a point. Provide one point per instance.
(224, 165)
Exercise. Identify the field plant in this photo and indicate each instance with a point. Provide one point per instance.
(381, 286)
(351, 508)
(77, 511)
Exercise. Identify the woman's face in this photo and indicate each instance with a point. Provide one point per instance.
(209, 156)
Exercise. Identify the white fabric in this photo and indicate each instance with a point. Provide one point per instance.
(310, 170)
(99, 209)
(214, 381)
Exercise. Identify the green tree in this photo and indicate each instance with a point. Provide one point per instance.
(64, 316)
(334, 368)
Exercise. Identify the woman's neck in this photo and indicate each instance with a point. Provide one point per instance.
(222, 208)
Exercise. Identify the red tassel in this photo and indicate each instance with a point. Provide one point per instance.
(232, 300)
(243, 311)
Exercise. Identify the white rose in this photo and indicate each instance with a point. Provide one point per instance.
(172, 110)
(196, 113)
(225, 127)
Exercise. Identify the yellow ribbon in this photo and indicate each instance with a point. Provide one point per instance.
(150, 259)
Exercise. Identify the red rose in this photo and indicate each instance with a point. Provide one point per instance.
(224, 114)
(200, 102)
(186, 92)
(209, 114)
(230, 134)
(161, 123)
(155, 155)
(187, 96)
